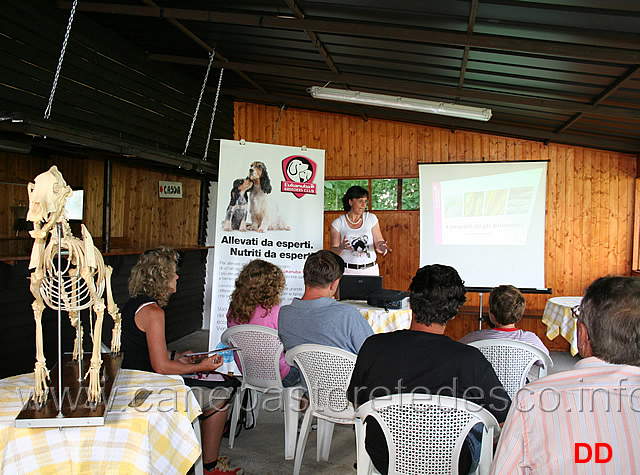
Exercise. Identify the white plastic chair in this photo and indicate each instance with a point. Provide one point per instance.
(425, 433)
(327, 372)
(198, 466)
(260, 350)
(512, 360)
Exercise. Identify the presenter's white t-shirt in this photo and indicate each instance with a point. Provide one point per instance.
(361, 247)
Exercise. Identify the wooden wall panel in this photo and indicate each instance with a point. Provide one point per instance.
(636, 229)
(13, 191)
(590, 193)
(399, 267)
(139, 218)
(143, 219)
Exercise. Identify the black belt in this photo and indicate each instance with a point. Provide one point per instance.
(360, 266)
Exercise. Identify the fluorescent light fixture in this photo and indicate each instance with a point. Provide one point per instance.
(397, 102)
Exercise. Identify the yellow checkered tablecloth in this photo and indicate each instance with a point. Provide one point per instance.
(156, 437)
(381, 320)
(559, 321)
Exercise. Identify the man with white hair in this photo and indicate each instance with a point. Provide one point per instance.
(586, 420)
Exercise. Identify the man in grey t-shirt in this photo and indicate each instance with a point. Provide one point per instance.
(316, 317)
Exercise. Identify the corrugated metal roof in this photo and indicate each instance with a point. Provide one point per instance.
(563, 71)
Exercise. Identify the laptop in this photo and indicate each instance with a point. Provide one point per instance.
(358, 287)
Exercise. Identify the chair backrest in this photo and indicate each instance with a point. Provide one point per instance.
(259, 354)
(425, 432)
(327, 372)
(512, 360)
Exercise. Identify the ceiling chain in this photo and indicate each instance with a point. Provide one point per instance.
(195, 114)
(47, 112)
(213, 114)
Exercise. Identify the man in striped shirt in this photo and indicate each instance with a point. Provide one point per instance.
(586, 420)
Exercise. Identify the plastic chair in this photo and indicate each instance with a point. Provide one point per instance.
(327, 372)
(425, 432)
(512, 360)
(198, 467)
(260, 350)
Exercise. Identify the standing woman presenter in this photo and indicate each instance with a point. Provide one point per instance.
(356, 235)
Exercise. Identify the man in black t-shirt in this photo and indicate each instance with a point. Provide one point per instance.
(423, 359)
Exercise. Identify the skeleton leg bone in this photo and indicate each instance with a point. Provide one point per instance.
(41, 373)
(96, 355)
(74, 317)
(114, 311)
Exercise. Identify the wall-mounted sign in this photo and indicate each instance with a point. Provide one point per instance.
(170, 189)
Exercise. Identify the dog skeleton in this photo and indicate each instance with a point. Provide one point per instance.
(82, 281)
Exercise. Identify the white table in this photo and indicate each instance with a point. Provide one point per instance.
(156, 437)
(559, 320)
(381, 320)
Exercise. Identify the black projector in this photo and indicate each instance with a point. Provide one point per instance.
(388, 299)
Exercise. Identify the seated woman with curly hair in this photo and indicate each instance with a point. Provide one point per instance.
(153, 280)
(256, 300)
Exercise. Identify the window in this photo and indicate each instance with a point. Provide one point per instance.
(384, 194)
(410, 193)
(334, 190)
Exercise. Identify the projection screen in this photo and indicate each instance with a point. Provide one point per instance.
(485, 219)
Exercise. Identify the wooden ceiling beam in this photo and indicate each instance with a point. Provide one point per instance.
(203, 44)
(407, 87)
(314, 38)
(375, 30)
(106, 143)
(473, 12)
(618, 83)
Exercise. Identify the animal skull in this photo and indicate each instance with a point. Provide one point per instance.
(47, 196)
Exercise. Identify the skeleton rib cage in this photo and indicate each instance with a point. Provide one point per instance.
(73, 294)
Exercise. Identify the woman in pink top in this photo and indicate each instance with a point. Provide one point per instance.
(256, 300)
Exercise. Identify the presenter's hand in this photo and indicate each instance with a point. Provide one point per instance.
(345, 244)
(382, 248)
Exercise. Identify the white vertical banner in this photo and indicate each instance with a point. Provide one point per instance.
(271, 207)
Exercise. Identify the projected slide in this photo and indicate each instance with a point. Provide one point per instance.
(486, 219)
(492, 210)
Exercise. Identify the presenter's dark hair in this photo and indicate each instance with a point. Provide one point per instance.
(322, 268)
(610, 311)
(507, 304)
(353, 193)
(436, 293)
